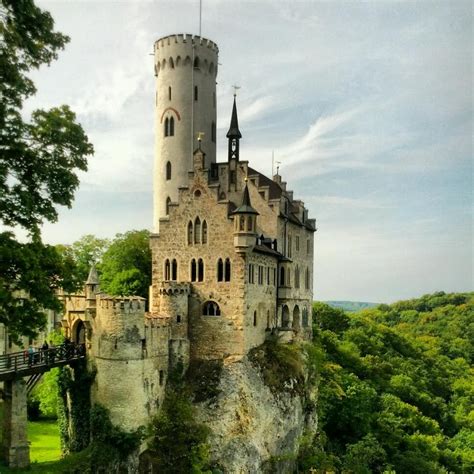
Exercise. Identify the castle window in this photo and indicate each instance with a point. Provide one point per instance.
(254, 318)
(169, 93)
(167, 270)
(168, 171)
(174, 270)
(171, 63)
(274, 276)
(306, 279)
(289, 245)
(213, 132)
(200, 270)
(161, 377)
(193, 269)
(268, 275)
(241, 222)
(268, 319)
(171, 127)
(168, 202)
(190, 233)
(178, 318)
(167, 127)
(195, 93)
(285, 317)
(220, 270)
(260, 275)
(249, 223)
(227, 269)
(204, 232)
(282, 276)
(251, 275)
(211, 308)
(197, 230)
(308, 246)
(297, 277)
(297, 243)
(196, 63)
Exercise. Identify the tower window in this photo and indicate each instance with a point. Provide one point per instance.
(171, 63)
(241, 223)
(282, 276)
(213, 132)
(204, 232)
(190, 233)
(168, 171)
(306, 279)
(254, 318)
(197, 231)
(297, 277)
(169, 93)
(174, 270)
(211, 308)
(168, 202)
(167, 270)
(220, 270)
(200, 270)
(251, 273)
(167, 126)
(227, 269)
(171, 134)
(195, 93)
(196, 63)
(193, 269)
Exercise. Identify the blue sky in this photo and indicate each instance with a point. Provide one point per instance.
(368, 105)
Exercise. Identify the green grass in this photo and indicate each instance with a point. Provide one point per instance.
(44, 439)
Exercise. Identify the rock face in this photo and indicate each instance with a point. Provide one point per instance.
(252, 428)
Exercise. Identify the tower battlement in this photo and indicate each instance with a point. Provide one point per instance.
(125, 304)
(185, 38)
(171, 288)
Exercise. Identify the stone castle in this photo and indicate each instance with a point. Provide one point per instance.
(232, 252)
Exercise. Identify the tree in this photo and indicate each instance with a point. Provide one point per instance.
(126, 265)
(39, 160)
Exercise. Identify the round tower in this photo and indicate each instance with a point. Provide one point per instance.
(185, 105)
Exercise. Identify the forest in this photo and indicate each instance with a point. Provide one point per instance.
(396, 387)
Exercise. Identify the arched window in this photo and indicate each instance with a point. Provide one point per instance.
(190, 233)
(213, 132)
(168, 202)
(168, 171)
(169, 93)
(200, 270)
(211, 308)
(285, 317)
(195, 93)
(193, 269)
(282, 276)
(305, 318)
(171, 126)
(196, 62)
(241, 223)
(306, 279)
(167, 269)
(220, 270)
(174, 270)
(227, 269)
(197, 230)
(297, 277)
(167, 127)
(171, 63)
(204, 232)
(249, 223)
(296, 318)
(254, 318)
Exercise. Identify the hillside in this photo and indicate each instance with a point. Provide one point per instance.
(396, 387)
(350, 306)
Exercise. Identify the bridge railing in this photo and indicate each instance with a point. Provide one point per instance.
(20, 361)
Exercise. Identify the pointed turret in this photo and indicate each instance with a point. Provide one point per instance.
(92, 286)
(245, 228)
(93, 278)
(234, 134)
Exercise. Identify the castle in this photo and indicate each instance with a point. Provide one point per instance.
(232, 252)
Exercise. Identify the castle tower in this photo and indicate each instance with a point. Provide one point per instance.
(245, 224)
(185, 105)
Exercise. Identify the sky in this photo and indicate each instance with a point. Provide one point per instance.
(367, 105)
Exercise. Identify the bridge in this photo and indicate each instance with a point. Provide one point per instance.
(14, 369)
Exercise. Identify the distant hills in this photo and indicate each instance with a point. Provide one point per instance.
(351, 305)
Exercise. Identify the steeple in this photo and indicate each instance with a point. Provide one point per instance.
(246, 206)
(245, 220)
(234, 134)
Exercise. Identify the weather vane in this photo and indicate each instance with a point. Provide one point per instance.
(200, 136)
(236, 88)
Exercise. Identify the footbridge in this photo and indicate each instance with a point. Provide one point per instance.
(19, 373)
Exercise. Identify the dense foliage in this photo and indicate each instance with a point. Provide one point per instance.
(39, 159)
(396, 387)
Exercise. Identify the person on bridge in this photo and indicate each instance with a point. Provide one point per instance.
(44, 352)
(31, 355)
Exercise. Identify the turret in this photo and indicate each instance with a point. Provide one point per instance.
(92, 287)
(245, 224)
(234, 135)
(185, 105)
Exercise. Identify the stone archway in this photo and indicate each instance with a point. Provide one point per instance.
(296, 318)
(285, 317)
(78, 333)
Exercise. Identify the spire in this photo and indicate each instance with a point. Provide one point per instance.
(93, 278)
(246, 206)
(234, 131)
(234, 134)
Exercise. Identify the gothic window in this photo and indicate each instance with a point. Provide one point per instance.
(169, 93)
(195, 93)
(254, 318)
(227, 269)
(282, 276)
(251, 275)
(200, 270)
(171, 63)
(220, 270)
(297, 277)
(168, 202)
(171, 127)
(241, 223)
(167, 127)
(174, 270)
(197, 231)
(285, 317)
(196, 63)
(213, 132)
(249, 223)
(167, 270)
(190, 233)
(204, 232)
(211, 308)
(193, 270)
(168, 171)
(306, 279)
